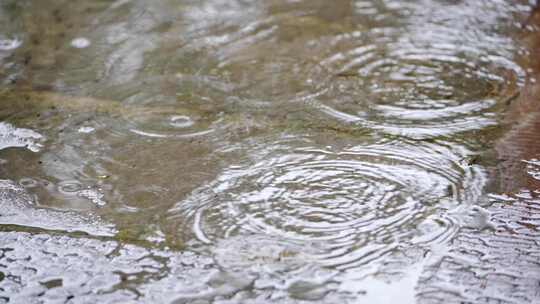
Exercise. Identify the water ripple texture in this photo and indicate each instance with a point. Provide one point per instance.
(360, 202)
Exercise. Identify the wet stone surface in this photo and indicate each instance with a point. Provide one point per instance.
(498, 264)
(79, 270)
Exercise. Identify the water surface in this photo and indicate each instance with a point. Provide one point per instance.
(249, 151)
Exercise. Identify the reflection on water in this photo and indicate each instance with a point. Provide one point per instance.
(359, 203)
(248, 151)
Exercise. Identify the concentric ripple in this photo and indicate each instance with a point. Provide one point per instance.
(415, 69)
(261, 134)
(358, 203)
(168, 122)
(417, 83)
(174, 106)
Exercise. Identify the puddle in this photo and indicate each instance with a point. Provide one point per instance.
(281, 151)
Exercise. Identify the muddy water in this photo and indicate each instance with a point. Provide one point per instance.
(257, 151)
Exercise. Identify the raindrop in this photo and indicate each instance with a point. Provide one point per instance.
(80, 43)
(28, 182)
(86, 130)
(181, 121)
(69, 187)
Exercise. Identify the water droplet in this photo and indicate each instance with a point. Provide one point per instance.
(80, 43)
(28, 182)
(86, 130)
(181, 121)
(69, 187)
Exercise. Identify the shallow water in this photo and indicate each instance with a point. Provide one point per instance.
(254, 151)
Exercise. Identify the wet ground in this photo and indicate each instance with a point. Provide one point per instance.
(269, 151)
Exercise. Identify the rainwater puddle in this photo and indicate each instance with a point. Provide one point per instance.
(265, 151)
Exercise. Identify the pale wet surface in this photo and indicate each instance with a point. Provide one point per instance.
(262, 151)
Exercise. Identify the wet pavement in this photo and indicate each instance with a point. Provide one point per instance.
(278, 151)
